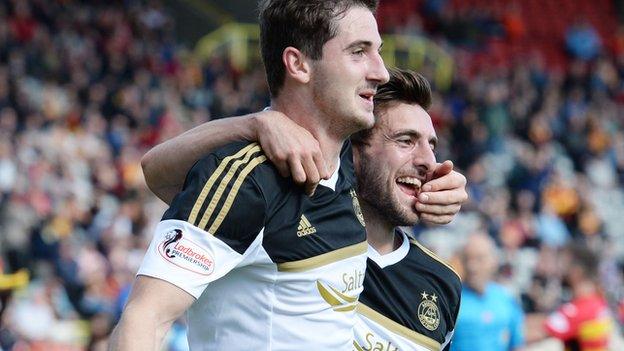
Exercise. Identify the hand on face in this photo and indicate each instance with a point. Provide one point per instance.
(441, 198)
(292, 149)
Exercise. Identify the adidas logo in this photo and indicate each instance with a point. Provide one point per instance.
(305, 228)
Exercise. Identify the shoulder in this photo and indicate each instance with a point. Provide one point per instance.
(223, 188)
(502, 294)
(446, 280)
(499, 290)
(439, 265)
(237, 163)
(235, 160)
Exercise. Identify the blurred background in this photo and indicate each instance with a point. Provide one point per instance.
(528, 103)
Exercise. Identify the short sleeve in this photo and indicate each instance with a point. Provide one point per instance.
(560, 324)
(213, 224)
(449, 336)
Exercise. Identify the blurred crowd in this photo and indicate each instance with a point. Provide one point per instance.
(87, 87)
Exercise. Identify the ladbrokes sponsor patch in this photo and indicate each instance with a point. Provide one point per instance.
(186, 254)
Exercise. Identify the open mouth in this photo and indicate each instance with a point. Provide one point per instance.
(368, 97)
(409, 185)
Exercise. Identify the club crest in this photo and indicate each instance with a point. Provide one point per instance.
(356, 207)
(428, 312)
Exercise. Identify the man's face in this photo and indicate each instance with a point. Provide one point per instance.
(345, 79)
(395, 161)
(479, 262)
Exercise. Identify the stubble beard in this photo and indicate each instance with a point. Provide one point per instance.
(344, 119)
(374, 192)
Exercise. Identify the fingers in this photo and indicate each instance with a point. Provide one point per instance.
(438, 210)
(320, 165)
(435, 219)
(451, 180)
(310, 188)
(311, 174)
(443, 197)
(282, 166)
(437, 214)
(297, 171)
(292, 149)
(442, 169)
(304, 172)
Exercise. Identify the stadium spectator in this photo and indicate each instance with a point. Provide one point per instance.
(582, 41)
(586, 322)
(489, 316)
(106, 101)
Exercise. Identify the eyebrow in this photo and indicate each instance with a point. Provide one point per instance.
(360, 43)
(414, 134)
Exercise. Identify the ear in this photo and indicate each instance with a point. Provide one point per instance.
(296, 65)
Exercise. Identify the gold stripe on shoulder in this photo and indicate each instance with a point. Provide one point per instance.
(357, 346)
(232, 195)
(435, 257)
(224, 183)
(397, 328)
(323, 259)
(210, 182)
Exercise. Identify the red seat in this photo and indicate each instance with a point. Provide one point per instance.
(546, 23)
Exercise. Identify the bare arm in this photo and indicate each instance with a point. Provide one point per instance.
(291, 148)
(534, 327)
(165, 166)
(152, 307)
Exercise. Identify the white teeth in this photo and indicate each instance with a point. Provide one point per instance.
(409, 180)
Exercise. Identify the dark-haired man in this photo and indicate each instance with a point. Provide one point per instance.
(261, 265)
(410, 299)
(235, 249)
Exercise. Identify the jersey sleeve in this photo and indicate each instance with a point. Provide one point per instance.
(561, 323)
(449, 336)
(214, 224)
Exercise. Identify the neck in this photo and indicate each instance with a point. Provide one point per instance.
(302, 111)
(478, 287)
(379, 233)
(583, 289)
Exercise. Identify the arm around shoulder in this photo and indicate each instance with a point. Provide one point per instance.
(291, 148)
(165, 166)
(152, 307)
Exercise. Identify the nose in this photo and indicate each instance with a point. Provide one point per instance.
(378, 71)
(424, 159)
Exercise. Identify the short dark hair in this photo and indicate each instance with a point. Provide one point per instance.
(404, 86)
(304, 24)
(586, 259)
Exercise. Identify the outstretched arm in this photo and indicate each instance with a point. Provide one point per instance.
(291, 148)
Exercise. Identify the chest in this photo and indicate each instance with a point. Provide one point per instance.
(303, 227)
(410, 299)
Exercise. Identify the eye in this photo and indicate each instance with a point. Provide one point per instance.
(358, 52)
(433, 144)
(405, 141)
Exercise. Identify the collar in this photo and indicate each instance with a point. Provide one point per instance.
(331, 182)
(392, 257)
